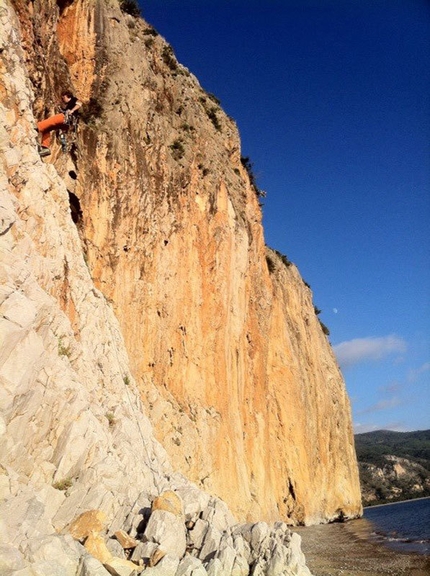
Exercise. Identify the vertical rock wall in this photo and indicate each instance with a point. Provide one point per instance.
(70, 410)
(238, 378)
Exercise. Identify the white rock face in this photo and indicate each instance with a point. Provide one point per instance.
(71, 418)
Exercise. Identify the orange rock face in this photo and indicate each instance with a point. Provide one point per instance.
(238, 377)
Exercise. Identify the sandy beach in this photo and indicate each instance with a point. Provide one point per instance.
(344, 550)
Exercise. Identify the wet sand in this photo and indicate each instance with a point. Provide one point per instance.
(345, 550)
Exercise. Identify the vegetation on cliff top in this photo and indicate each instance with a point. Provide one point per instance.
(130, 7)
(393, 466)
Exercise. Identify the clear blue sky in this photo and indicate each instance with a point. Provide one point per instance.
(331, 98)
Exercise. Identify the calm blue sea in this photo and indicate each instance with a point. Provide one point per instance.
(404, 526)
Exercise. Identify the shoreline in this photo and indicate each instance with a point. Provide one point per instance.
(396, 502)
(345, 549)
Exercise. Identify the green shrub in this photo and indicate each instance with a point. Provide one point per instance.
(64, 484)
(130, 7)
(324, 328)
(63, 350)
(110, 418)
(177, 149)
(283, 257)
(270, 264)
(214, 98)
(91, 111)
(247, 164)
(150, 31)
(212, 115)
(187, 127)
(205, 171)
(149, 42)
(169, 58)
(271, 261)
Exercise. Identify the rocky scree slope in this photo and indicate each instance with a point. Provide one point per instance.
(220, 337)
(239, 379)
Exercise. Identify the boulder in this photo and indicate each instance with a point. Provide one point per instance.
(168, 531)
(115, 548)
(190, 566)
(144, 551)
(297, 558)
(196, 536)
(218, 514)
(227, 556)
(137, 516)
(90, 566)
(170, 502)
(96, 546)
(121, 567)
(240, 567)
(54, 555)
(211, 544)
(156, 556)
(166, 567)
(125, 539)
(194, 500)
(87, 522)
(215, 568)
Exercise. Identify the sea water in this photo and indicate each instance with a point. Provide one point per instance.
(404, 526)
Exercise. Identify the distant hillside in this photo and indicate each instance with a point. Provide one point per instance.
(393, 466)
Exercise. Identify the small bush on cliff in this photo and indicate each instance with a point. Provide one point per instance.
(286, 262)
(270, 264)
(324, 328)
(149, 42)
(91, 111)
(211, 111)
(177, 149)
(271, 261)
(130, 7)
(214, 98)
(63, 350)
(169, 58)
(187, 127)
(64, 484)
(212, 115)
(249, 167)
(110, 418)
(150, 31)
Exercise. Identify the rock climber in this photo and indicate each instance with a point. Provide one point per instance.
(60, 121)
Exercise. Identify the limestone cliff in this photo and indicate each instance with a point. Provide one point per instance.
(232, 367)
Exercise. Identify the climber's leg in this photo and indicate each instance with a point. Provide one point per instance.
(45, 127)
